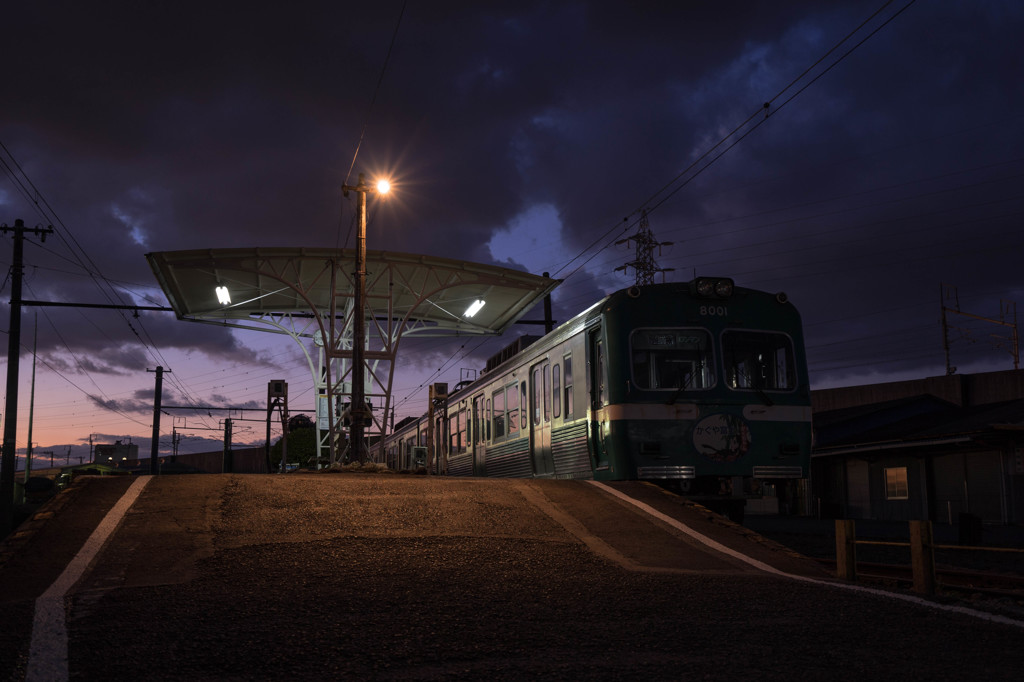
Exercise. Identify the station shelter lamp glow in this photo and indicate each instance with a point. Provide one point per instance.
(474, 308)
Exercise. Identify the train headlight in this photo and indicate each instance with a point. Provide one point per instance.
(714, 287)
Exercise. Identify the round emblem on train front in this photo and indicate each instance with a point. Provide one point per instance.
(722, 437)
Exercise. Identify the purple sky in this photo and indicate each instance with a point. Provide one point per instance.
(517, 133)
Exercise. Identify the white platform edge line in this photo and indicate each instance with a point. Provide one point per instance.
(48, 652)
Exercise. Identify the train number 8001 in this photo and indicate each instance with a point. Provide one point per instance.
(719, 310)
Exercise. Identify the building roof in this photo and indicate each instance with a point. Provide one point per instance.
(914, 421)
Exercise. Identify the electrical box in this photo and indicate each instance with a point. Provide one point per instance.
(277, 388)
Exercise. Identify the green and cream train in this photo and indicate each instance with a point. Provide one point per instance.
(700, 386)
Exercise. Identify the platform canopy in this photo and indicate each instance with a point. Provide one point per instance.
(310, 293)
(432, 296)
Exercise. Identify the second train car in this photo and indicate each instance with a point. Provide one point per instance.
(701, 386)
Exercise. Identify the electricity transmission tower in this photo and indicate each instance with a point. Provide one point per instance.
(643, 263)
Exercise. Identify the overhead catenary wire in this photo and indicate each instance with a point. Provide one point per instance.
(713, 154)
(366, 119)
(38, 200)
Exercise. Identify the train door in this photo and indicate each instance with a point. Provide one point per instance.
(597, 382)
(441, 443)
(540, 419)
(477, 435)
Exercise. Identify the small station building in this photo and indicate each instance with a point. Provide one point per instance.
(948, 449)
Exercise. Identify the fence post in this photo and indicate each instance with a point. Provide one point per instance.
(846, 550)
(922, 556)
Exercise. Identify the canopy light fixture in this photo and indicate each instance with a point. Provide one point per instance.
(474, 308)
(223, 297)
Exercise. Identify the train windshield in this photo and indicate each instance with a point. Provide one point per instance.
(672, 359)
(758, 360)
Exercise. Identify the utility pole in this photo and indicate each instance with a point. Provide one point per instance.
(359, 411)
(357, 406)
(1006, 309)
(229, 463)
(8, 459)
(548, 321)
(154, 467)
(31, 404)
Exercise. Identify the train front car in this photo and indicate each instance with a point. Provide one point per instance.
(703, 386)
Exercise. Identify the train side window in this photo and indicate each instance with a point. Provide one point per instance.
(602, 388)
(498, 400)
(556, 391)
(453, 434)
(523, 402)
(567, 363)
(512, 397)
(546, 393)
(478, 418)
(536, 396)
(487, 422)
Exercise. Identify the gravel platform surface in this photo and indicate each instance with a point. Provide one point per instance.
(402, 578)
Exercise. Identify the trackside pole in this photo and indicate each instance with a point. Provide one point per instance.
(922, 556)
(154, 450)
(846, 550)
(8, 456)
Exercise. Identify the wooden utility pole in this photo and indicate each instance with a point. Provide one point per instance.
(922, 556)
(154, 449)
(8, 458)
(228, 466)
(846, 550)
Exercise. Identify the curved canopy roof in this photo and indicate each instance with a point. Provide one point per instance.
(430, 296)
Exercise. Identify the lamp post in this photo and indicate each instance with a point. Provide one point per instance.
(358, 412)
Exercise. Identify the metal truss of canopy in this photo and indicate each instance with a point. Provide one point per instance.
(308, 293)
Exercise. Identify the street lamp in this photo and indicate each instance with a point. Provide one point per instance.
(358, 412)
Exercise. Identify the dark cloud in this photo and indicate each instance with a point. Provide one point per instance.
(134, 405)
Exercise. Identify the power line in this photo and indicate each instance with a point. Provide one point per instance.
(83, 259)
(653, 202)
(369, 111)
